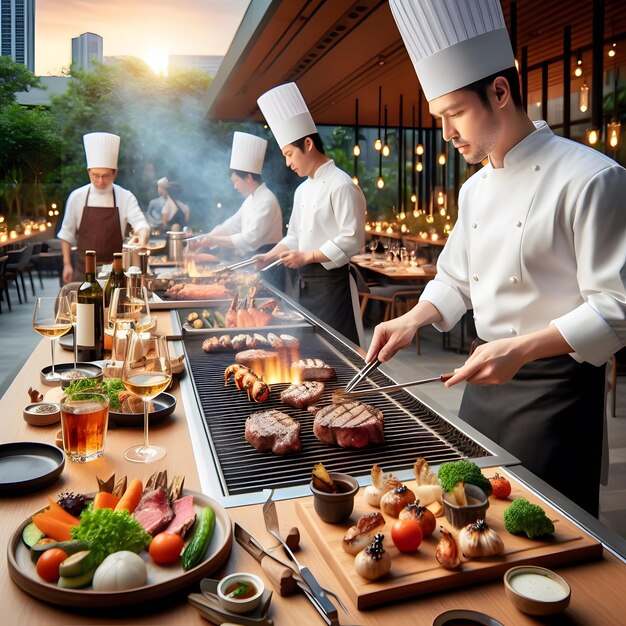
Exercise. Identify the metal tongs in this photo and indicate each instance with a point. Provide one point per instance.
(313, 590)
(240, 264)
(271, 265)
(362, 374)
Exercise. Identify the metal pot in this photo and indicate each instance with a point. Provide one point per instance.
(176, 245)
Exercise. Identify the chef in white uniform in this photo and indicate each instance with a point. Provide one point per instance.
(96, 215)
(538, 252)
(327, 223)
(258, 224)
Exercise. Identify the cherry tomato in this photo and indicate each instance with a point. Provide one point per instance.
(500, 486)
(48, 564)
(407, 535)
(165, 548)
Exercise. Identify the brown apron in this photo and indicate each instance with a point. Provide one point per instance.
(101, 233)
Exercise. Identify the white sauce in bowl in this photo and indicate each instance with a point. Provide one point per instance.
(538, 587)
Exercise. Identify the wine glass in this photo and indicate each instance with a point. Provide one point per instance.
(146, 372)
(372, 245)
(72, 298)
(52, 318)
(128, 309)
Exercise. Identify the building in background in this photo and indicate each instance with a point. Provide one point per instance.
(17, 31)
(86, 48)
(206, 63)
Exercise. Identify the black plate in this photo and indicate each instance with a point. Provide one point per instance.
(91, 371)
(28, 466)
(67, 341)
(164, 405)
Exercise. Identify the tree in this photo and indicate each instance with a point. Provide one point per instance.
(14, 78)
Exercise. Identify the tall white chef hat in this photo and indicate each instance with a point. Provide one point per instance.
(163, 182)
(101, 150)
(286, 113)
(453, 43)
(247, 153)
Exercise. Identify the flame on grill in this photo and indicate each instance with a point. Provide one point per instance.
(278, 369)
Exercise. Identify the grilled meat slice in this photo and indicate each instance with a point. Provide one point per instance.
(184, 516)
(290, 341)
(273, 430)
(154, 511)
(239, 341)
(302, 395)
(313, 369)
(349, 425)
(255, 358)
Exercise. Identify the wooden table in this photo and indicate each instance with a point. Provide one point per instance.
(596, 586)
(394, 271)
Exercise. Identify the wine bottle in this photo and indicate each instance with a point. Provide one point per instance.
(116, 279)
(90, 314)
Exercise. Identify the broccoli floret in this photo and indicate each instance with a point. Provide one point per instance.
(466, 471)
(523, 517)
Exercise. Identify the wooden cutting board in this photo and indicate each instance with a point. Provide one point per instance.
(420, 573)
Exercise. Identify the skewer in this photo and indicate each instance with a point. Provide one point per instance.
(363, 373)
(342, 395)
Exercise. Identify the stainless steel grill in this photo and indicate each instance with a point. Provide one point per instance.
(411, 428)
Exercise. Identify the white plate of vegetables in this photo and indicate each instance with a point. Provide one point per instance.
(109, 552)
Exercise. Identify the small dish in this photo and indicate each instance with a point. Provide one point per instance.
(335, 507)
(240, 592)
(536, 590)
(28, 466)
(463, 616)
(42, 413)
(83, 370)
(461, 516)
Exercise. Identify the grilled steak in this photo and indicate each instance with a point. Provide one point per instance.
(273, 430)
(184, 516)
(255, 358)
(349, 425)
(154, 511)
(313, 369)
(302, 395)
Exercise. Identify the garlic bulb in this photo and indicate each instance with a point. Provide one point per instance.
(447, 552)
(381, 483)
(477, 540)
(373, 562)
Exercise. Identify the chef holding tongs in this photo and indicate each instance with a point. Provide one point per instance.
(327, 224)
(538, 253)
(258, 224)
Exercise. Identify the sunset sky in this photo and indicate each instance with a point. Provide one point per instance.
(148, 29)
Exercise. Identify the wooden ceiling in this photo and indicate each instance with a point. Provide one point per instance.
(340, 50)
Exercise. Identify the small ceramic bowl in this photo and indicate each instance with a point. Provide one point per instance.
(42, 413)
(336, 507)
(240, 592)
(536, 590)
(461, 516)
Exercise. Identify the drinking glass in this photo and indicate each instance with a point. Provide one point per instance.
(372, 245)
(146, 372)
(52, 318)
(128, 309)
(84, 420)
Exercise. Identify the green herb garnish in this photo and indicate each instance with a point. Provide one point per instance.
(110, 387)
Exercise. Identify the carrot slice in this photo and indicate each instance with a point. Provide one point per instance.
(132, 495)
(58, 512)
(52, 527)
(104, 500)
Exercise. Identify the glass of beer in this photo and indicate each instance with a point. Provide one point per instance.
(84, 420)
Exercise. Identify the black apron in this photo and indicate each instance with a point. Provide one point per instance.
(326, 293)
(101, 232)
(178, 217)
(550, 416)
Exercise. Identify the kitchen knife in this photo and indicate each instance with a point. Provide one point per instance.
(280, 574)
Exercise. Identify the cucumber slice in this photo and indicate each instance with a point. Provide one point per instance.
(31, 535)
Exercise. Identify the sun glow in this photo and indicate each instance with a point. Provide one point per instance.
(157, 59)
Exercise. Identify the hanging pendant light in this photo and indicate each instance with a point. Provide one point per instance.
(593, 135)
(583, 97)
(378, 144)
(385, 149)
(356, 151)
(614, 134)
(578, 70)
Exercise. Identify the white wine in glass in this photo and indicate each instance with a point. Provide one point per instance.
(52, 317)
(146, 372)
(128, 309)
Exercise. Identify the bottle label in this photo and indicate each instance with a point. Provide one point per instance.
(85, 325)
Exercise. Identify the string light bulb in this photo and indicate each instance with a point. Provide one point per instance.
(378, 144)
(413, 198)
(419, 149)
(355, 180)
(583, 97)
(356, 150)
(578, 70)
(419, 166)
(442, 159)
(380, 183)
(611, 51)
(614, 134)
(386, 150)
(592, 136)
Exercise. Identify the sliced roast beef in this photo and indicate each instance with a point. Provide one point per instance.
(184, 516)
(154, 511)
(273, 430)
(313, 369)
(302, 395)
(349, 425)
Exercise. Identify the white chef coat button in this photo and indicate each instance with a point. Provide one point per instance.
(474, 225)
(512, 331)
(475, 277)
(519, 223)
(483, 175)
(536, 167)
(513, 280)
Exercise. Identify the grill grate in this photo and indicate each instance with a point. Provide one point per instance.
(411, 429)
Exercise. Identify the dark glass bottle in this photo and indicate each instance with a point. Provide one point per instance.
(90, 314)
(116, 279)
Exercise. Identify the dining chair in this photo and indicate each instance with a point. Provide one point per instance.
(4, 282)
(16, 266)
(33, 264)
(51, 258)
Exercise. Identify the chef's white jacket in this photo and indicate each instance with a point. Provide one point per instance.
(540, 241)
(328, 215)
(128, 208)
(258, 222)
